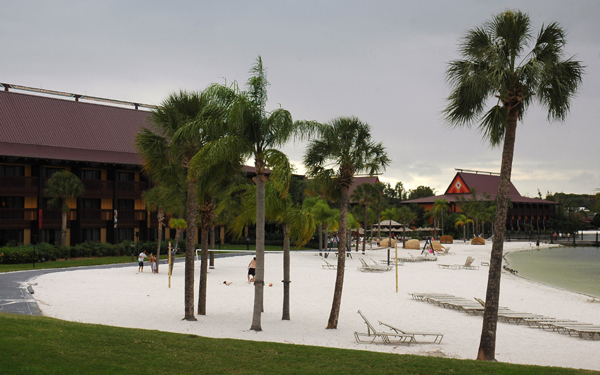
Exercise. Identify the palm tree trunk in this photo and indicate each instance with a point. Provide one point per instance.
(160, 217)
(203, 270)
(379, 226)
(190, 246)
(327, 236)
(321, 238)
(259, 281)
(63, 228)
(341, 263)
(487, 345)
(211, 255)
(286, 272)
(365, 230)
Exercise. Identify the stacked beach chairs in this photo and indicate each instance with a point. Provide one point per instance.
(565, 326)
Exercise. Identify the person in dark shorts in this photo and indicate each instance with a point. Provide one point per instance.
(141, 261)
(251, 270)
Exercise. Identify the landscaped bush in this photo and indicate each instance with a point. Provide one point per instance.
(16, 255)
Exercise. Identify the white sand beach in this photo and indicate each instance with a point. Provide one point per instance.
(122, 297)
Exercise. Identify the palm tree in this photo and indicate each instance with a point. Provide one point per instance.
(342, 149)
(495, 64)
(405, 216)
(63, 186)
(322, 215)
(180, 127)
(439, 206)
(254, 132)
(462, 220)
(364, 194)
(153, 204)
(378, 203)
(391, 214)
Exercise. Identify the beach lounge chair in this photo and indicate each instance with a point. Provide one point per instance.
(467, 266)
(437, 337)
(373, 267)
(388, 338)
(329, 266)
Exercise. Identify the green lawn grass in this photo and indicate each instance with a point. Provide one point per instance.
(107, 260)
(40, 345)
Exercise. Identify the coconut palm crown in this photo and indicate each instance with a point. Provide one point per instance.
(496, 64)
(343, 148)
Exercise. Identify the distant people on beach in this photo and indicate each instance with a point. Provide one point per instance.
(252, 270)
(141, 261)
(153, 262)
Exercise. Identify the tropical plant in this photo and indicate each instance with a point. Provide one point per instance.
(495, 65)
(343, 148)
(462, 221)
(62, 187)
(181, 126)
(391, 214)
(254, 132)
(439, 207)
(405, 216)
(364, 195)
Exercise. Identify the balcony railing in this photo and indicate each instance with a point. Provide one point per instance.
(98, 189)
(11, 186)
(130, 190)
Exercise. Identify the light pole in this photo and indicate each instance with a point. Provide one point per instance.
(34, 239)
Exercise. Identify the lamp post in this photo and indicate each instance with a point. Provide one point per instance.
(34, 239)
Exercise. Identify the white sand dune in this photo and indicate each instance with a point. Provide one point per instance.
(122, 297)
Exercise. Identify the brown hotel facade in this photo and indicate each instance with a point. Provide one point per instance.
(40, 135)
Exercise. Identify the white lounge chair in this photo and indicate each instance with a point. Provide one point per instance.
(329, 266)
(467, 266)
(437, 337)
(386, 337)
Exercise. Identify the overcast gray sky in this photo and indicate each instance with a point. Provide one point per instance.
(382, 61)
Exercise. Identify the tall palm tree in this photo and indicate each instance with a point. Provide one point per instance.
(180, 127)
(391, 214)
(439, 206)
(494, 64)
(210, 182)
(254, 132)
(405, 216)
(364, 194)
(63, 186)
(378, 204)
(343, 148)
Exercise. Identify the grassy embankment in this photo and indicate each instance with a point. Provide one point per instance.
(105, 260)
(39, 345)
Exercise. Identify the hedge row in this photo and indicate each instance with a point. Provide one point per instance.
(48, 252)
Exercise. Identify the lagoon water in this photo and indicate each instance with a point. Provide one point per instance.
(572, 268)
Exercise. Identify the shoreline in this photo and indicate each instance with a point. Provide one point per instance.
(594, 297)
(99, 296)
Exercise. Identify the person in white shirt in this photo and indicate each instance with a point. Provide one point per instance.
(141, 261)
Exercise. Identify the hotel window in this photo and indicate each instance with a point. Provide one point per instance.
(90, 235)
(48, 172)
(91, 174)
(125, 234)
(51, 236)
(125, 204)
(12, 202)
(12, 170)
(11, 235)
(90, 204)
(125, 176)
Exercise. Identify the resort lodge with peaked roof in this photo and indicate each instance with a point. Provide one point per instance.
(524, 213)
(40, 135)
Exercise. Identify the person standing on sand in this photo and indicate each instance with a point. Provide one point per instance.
(251, 270)
(141, 261)
(152, 262)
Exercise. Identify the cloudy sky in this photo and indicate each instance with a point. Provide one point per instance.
(382, 61)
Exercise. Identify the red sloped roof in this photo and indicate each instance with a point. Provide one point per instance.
(482, 184)
(362, 180)
(37, 126)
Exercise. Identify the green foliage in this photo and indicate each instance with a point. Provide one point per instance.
(421, 192)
